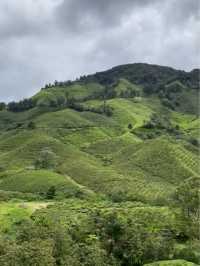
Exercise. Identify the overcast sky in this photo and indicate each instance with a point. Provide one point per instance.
(46, 40)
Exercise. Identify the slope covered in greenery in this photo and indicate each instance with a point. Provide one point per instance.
(115, 157)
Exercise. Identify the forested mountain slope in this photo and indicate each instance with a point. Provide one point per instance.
(115, 155)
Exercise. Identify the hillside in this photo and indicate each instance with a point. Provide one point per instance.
(112, 151)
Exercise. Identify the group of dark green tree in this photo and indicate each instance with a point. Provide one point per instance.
(98, 237)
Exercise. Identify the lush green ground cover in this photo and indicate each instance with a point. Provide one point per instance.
(172, 263)
(118, 157)
(13, 213)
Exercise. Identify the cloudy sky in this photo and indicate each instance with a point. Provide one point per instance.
(46, 40)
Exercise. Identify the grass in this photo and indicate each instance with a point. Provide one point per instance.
(77, 91)
(126, 111)
(171, 263)
(151, 169)
(189, 124)
(159, 157)
(99, 152)
(39, 181)
(123, 85)
(12, 213)
(96, 151)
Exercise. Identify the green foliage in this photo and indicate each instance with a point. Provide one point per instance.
(130, 242)
(130, 126)
(2, 106)
(46, 160)
(188, 252)
(13, 213)
(151, 77)
(32, 253)
(178, 97)
(157, 121)
(51, 193)
(31, 125)
(21, 106)
(93, 233)
(187, 196)
(194, 142)
(40, 181)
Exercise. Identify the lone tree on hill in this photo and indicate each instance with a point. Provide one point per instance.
(31, 125)
(51, 192)
(130, 126)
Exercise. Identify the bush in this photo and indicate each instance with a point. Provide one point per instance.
(130, 126)
(21, 106)
(46, 160)
(2, 106)
(187, 253)
(51, 192)
(31, 125)
(108, 111)
(159, 122)
(194, 142)
(187, 197)
(168, 104)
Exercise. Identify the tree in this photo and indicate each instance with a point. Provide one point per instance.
(2, 106)
(31, 125)
(194, 142)
(132, 242)
(108, 110)
(61, 101)
(130, 126)
(71, 101)
(187, 196)
(36, 252)
(21, 106)
(51, 192)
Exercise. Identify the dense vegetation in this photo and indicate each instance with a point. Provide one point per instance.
(103, 170)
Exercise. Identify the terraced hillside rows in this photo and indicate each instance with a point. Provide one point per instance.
(119, 144)
(91, 130)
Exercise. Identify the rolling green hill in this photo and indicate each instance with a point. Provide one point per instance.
(126, 137)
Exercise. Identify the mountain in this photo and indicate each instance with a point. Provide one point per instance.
(146, 75)
(121, 143)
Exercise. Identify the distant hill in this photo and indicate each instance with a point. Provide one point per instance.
(146, 75)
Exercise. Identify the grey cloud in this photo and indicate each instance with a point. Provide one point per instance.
(44, 40)
(178, 15)
(181, 11)
(87, 15)
(21, 18)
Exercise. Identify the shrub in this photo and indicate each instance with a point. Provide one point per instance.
(31, 125)
(130, 126)
(51, 192)
(187, 253)
(46, 160)
(2, 106)
(194, 142)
